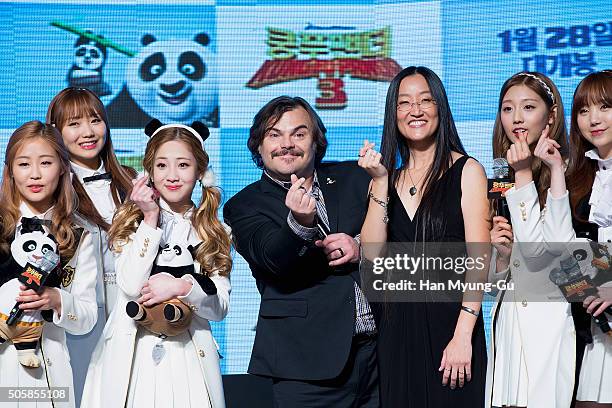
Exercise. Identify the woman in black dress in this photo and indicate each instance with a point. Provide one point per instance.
(431, 354)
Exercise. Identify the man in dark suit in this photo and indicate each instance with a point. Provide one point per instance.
(298, 227)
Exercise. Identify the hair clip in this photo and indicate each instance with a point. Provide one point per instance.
(546, 87)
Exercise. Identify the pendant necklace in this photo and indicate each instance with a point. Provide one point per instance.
(413, 189)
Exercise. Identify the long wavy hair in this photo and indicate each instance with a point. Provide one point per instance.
(595, 88)
(64, 198)
(214, 252)
(395, 149)
(73, 103)
(558, 130)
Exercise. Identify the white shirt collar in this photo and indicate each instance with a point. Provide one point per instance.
(604, 164)
(27, 212)
(176, 227)
(601, 191)
(82, 172)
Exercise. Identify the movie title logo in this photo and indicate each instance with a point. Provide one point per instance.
(31, 275)
(329, 54)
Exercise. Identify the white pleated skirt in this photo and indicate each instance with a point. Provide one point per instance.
(510, 386)
(177, 381)
(595, 383)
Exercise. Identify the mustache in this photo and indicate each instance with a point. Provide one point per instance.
(292, 152)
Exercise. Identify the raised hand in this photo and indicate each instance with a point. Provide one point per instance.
(370, 161)
(302, 205)
(519, 156)
(145, 198)
(547, 150)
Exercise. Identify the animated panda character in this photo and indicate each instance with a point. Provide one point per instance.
(31, 246)
(174, 81)
(86, 70)
(172, 317)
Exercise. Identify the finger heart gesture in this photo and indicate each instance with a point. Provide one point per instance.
(145, 197)
(547, 150)
(371, 161)
(300, 202)
(519, 155)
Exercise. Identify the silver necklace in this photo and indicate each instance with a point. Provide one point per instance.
(413, 189)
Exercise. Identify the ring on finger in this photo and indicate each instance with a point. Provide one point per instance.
(341, 252)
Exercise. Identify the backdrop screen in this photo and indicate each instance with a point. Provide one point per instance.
(219, 62)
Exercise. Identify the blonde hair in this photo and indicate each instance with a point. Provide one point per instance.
(214, 252)
(65, 198)
(549, 93)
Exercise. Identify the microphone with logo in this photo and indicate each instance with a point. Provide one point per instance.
(498, 185)
(34, 277)
(576, 287)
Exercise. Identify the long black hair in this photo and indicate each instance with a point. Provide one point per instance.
(396, 152)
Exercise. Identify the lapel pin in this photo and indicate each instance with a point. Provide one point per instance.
(330, 180)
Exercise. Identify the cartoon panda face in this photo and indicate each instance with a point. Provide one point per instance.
(174, 80)
(31, 247)
(173, 254)
(88, 56)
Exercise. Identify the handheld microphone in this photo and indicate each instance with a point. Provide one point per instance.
(576, 287)
(34, 277)
(498, 185)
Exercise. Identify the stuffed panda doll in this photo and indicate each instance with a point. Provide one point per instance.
(27, 265)
(172, 317)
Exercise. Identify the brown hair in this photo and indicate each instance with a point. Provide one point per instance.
(65, 198)
(557, 132)
(73, 103)
(271, 113)
(595, 88)
(214, 253)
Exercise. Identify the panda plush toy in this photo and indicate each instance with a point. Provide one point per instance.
(172, 80)
(31, 247)
(172, 317)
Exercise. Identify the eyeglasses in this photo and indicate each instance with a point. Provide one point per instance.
(405, 106)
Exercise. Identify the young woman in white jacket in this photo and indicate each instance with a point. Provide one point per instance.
(101, 184)
(531, 359)
(37, 189)
(132, 367)
(589, 181)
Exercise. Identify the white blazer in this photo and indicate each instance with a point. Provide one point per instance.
(109, 373)
(547, 332)
(78, 316)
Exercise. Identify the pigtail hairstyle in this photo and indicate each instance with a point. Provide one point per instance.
(73, 103)
(214, 252)
(549, 93)
(64, 198)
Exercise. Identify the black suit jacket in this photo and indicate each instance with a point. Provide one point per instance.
(307, 312)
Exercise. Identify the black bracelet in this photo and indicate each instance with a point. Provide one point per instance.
(470, 310)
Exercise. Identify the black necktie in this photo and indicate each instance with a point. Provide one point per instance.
(103, 176)
(34, 224)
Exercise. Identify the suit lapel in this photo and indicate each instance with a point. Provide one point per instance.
(329, 186)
